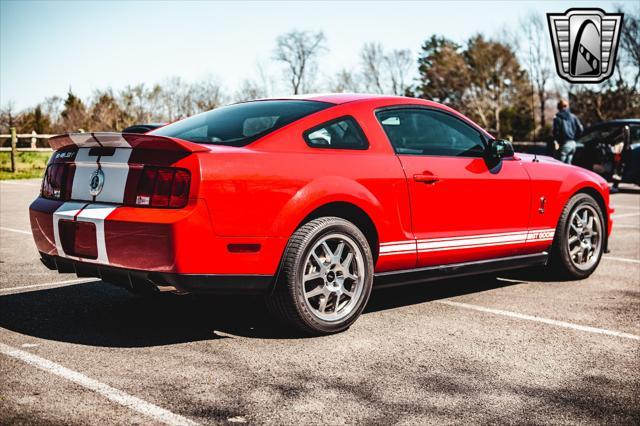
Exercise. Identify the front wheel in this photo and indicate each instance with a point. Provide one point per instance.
(326, 277)
(580, 237)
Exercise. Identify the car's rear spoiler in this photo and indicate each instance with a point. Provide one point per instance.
(122, 140)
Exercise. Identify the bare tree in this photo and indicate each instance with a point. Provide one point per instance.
(373, 63)
(299, 51)
(7, 116)
(537, 60)
(399, 64)
(630, 42)
(206, 95)
(346, 81)
(249, 90)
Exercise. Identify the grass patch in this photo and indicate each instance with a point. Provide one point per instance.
(28, 165)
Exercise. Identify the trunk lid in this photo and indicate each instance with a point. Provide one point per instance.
(108, 167)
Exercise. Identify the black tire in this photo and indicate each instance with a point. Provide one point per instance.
(560, 258)
(287, 301)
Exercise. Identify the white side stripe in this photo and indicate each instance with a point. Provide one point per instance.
(468, 241)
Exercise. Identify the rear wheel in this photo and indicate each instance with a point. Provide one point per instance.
(326, 277)
(579, 241)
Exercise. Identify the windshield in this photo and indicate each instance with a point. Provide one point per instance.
(603, 134)
(240, 124)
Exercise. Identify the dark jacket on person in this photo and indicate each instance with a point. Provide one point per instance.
(566, 126)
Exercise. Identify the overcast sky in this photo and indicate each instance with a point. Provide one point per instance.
(47, 47)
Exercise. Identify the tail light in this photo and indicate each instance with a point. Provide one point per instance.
(163, 187)
(54, 183)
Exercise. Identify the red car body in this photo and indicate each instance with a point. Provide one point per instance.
(244, 203)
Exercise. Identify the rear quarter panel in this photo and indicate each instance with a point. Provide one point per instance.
(269, 187)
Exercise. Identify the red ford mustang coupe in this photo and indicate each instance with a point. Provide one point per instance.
(312, 202)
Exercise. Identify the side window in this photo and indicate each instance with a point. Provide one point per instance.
(428, 132)
(341, 133)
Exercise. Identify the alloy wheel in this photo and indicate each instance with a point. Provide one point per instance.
(333, 277)
(584, 238)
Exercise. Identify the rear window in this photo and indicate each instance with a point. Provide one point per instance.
(240, 124)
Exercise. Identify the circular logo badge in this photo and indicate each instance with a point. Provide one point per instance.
(96, 183)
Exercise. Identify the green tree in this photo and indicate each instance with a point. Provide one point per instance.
(34, 120)
(74, 114)
(444, 75)
(105, 113)
(497, 82)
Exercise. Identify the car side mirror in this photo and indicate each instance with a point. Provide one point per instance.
(499, 148)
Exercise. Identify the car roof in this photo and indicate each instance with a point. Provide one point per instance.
(618, 121)
(339, 98)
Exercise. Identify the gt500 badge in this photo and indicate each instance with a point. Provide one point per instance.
(585, 42)
(65, 155)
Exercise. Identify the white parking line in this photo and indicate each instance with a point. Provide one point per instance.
(626, 207)
(621, 259)
(54, 284)
(136, 404)
(540, 319)
(616, 226)
(13, 182)
(19, 231)
(618, 216)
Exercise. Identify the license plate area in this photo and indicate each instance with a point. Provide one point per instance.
(78, 238)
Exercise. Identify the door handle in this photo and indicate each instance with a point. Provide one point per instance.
(426, 178)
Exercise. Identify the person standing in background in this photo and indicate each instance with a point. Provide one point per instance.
(566, 129)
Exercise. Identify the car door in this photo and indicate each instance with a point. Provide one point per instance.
(463, 209)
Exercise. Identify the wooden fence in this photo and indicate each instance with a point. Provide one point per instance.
(33, 139)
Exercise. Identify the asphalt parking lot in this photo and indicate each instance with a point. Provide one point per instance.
(516, 348)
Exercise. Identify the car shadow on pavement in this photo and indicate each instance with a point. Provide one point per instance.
(99, 314)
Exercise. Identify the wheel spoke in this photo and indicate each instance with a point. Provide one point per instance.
(572, 239)
(351, 276)
(323, 304)
(575, 228)
(348, 293)
(320, 263)
(312, 276)
(575, 251)
(338, 254)
(327, 250)
(585, 254)
(316, 291)
(347, 261)
(335, 306)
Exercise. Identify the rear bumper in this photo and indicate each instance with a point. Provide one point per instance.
(147, 281)
(167, 242)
